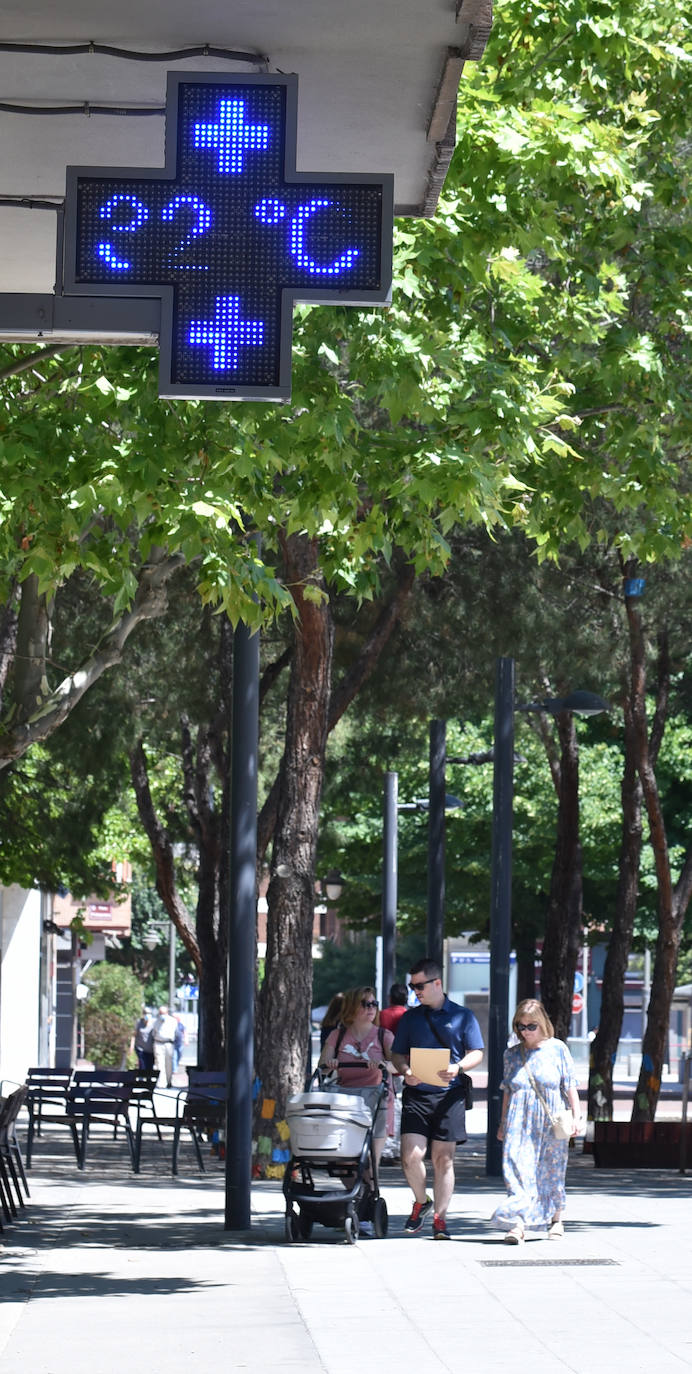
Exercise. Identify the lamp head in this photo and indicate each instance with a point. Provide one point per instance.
(333, 885)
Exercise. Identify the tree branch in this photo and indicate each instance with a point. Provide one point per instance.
(163, 854)
(367, 659)
(149, 602)
(24, 364)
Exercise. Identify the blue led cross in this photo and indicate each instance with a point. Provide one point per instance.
(228, 235)
(231, 135)
(226, 334)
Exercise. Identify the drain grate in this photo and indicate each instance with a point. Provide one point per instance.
(541, 1263)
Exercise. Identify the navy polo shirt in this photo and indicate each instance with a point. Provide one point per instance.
(457, 1027)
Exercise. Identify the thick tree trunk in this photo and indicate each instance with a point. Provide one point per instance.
(563, 926)
(347, 689)
(605, 1043)
(285, 996)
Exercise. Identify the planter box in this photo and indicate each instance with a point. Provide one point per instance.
(640, 1144)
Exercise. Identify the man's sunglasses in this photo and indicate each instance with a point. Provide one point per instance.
(416, 987)
(365, 1003)
(527, 1025)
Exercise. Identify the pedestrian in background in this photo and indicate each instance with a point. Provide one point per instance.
(178, 1043)
(164, 1030)
(391, 1015)
(332, 1017)
(538, 1081)
(142, 1041)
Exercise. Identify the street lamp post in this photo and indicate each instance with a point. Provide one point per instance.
(500, 902)
(242, 938)
(583, 703)
(436, 842)
(389, 880)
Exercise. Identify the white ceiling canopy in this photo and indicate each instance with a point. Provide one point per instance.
(84, 84)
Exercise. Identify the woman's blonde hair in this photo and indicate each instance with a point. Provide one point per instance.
(532, 1007)
(352, 1000)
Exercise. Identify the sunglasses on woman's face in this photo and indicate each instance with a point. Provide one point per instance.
(365, 1003)
(527, 1025)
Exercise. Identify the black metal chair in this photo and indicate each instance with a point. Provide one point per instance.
(204, 1110)
(47, 1087)
(142, 1096)
(11, 1166)
(101, 1097)
(200, 1108)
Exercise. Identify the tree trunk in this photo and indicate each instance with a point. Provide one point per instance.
(283, 1023)
(526, 969)
(33, 640)
(163, 855)
(605, 1043)
(563, 926)
(655, 1042)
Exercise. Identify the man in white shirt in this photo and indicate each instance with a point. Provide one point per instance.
(165, 1027)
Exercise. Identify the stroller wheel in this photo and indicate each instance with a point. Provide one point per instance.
(351, 1229)
(380, 1219)
(350, 1226)
(304, 1226)
(291, 1228)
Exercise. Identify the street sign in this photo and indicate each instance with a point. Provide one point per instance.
(578, 982)
(229, 235)
(577, 1003)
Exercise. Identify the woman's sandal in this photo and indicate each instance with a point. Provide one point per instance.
(515, 1236)
(556, 1231)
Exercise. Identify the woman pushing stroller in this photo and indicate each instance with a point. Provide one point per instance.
(356, 1050)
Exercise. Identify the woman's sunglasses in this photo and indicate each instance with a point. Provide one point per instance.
(527, 1025)
(364, 1003)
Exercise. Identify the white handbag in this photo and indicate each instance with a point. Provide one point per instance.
(563, 1122)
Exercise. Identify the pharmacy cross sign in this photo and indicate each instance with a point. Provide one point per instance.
(229, 235)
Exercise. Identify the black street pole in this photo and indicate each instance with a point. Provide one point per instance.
(436, 841)
(500, 903)
(389, 882)
(242, 946)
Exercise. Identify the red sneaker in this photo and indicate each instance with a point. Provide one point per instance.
(419, 1212)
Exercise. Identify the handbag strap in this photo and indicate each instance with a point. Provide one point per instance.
(432, 1027)
(536, 1088)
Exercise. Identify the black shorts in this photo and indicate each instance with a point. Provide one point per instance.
(436, 1116)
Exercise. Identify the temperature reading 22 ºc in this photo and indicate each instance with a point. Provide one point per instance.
(229, 235)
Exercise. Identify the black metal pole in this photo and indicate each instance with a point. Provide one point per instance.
(436, 841)
(389, 882)
(500, 903)
(240, 1009)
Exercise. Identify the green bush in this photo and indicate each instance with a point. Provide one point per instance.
(112, 1007)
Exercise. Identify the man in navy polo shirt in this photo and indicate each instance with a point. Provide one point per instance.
(432, 1116)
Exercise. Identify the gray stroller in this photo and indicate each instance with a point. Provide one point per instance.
(331, 1176)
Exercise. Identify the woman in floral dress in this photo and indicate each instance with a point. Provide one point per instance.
(534, 1161)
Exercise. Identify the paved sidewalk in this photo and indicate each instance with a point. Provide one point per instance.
(110, 1272)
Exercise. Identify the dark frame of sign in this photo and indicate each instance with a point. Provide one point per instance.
(228, 234)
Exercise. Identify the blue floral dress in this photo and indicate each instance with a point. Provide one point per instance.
(534, 1162)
